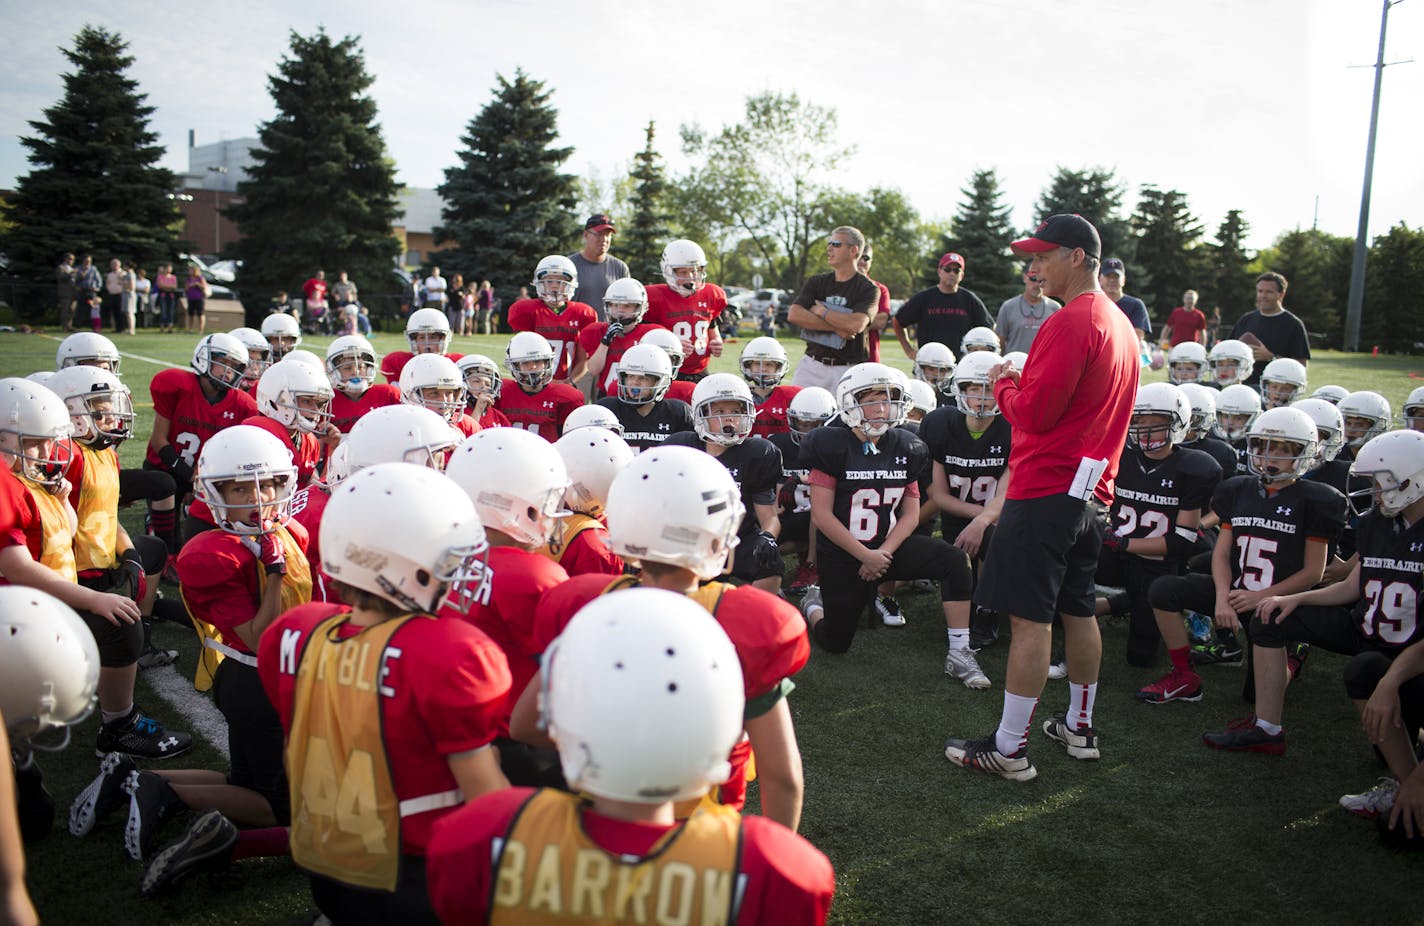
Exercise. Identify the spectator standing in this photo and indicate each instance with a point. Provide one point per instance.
(596, 267)
(1271, 330)
(143, 296)
(882, 314)
(435, 296)
(128, 299)
(195, 290)
(1021, 317)
(945, 312)
(113, 305)
(468, 297)
(1186, 323)
(166, 283)
(484, 304)
(87, 283)
(834, 311)
(454, 301)
(64, 291)
(1213, 327)
(410, 294)
(1112, 279)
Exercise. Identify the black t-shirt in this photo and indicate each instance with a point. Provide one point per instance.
(1148, 493)
(943, 317)
(1391, 580)
(869, 486)
(858, 294)
(1223, 453)
(1269, 530)
(1282, 333)
(668, 417)
(755, 465)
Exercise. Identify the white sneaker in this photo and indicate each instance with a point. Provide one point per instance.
(1377, 800)
(889, 610)
(1058, 668)
(811, 602)
(961, 664)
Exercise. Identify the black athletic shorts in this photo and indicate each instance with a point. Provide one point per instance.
(254, 736)
(1042, 559)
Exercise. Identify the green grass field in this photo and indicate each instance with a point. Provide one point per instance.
(1160, 830)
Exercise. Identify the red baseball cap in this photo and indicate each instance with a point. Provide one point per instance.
(598, 222)
(1061, 231)
(951, 258)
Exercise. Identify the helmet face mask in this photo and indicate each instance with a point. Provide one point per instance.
(1237, 407)
(1185, 371)
(1281, 445)
(644, 375)
(1231, 362)
(725, 420)
(427, 332)
(1394, 464)
(1161, 415)
(531, 361)
(102, 419)
(221, 359)
(555, 280)
(973, 391)
(684, 267)
(41, 460)
(1151, 431)
(246, 478)
(763, 363)
(351, 365)
(33, 424)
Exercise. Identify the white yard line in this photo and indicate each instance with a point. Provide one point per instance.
(153, 360)
(202, 717)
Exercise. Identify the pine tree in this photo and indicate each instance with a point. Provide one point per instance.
(641, 240)
(1393, 315)
(506, 204)
(1168, 259)
(1229, 281)
(94, 184)
(981, 232)
(322, 193)
(1316, 265)
(1095, 194)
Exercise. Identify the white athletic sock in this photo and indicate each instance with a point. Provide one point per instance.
(958, 639)
(111, 716)
(1080, 705)
(1012, 734)
(1272, 728)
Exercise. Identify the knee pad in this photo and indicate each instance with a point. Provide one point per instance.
(153, 553)
(118, 646)
(1363, 673)
(957, 577)
(1164, 593)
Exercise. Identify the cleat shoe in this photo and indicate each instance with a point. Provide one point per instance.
(103, 795)
(1296, 654)
(1058, 668)
(889, 610)
(961, 664)
(804, 578)
(982, 755)
(1217, 654)
(1199, 628)
(153, 657)
(142, 737)
(1374, 802)
(34, 805)
(983, 628)
(1174, 686)
(811, 603)
(1243, 738)
(152, 801)
(206, 844)
(1081, 743)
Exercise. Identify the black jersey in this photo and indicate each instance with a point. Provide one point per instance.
(925, 481)
(1148, 493)
(755, 464)
(1222, 452)
(1239, 448)
(668, 417)
(1391, 580)
(972, 465)
(797, 496)
(869, 482)
(1269, 531)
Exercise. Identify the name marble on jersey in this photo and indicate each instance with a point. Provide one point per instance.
(1284, 527)
(975, 462)
(1391, 564)
(853, 474)
(1170, 501)
(350, 665)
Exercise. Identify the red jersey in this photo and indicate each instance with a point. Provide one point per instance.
(589, 552)
(493, 418)
(466, 425)
(1186, 324)
(314, 290)
(306, 449)
(561, 329)
(346, 411)
(681, 390)
(873, 343)
(20, 523)
(307, 507)
(543, 412)
(591, 339)
(779, 877)
(219, 579)
(178, 396)
(395, 361)
(771, 411)
(442, 686)
(503, 608)
(689, 317)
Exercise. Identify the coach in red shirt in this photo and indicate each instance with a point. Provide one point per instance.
(1186, 323)
(1070, 410)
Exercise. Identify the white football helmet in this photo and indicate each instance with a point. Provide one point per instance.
(725, 428)
(49, 663)
(1159, 399)
(517, 481)
(306, 358)
(934, 364)
(1394, 464)
(1016, 359)
(259, 354)
(33, 424)
(90, 349)
(351, 364)
(283, 333)
(1231, 362)
(433, 381)
(670, 344)
(1329, 427)
(255, 459)
(657, 656)
(296, 396)
(413, 560)
(763, 351)
(1236, 409)
(530, 347)
(688, 257)
(481, 375)
(809, 409)
(861, 379)
(625, 301)
(1367, 415)
(593, 457)
(100, 406)
(980, 338)
(677, 506)
(41, 377)
(400, 434)
(1282, 382)
(1281, 444)
(1186, 363)
(1413, 411)
(644, 360)
(973, 390)
(555, 280)
(1203, 399)
(922, 396)
(593, 416)
(221, 359)
(1330, 393)
(427, 331)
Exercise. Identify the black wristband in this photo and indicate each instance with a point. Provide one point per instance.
(275, 569)
(168, 456)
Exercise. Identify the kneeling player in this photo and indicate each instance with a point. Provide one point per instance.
(647, 417)
(533, 399)
(593, 457)
(812, 407)
(351, 366)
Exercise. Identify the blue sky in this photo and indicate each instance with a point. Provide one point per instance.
(1248, 104)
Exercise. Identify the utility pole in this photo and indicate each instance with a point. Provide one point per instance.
(217, 216)
(1356, 301)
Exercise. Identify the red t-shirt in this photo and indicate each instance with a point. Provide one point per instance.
(346, 411)
(543, 412)
(1186, 324)
(20, 523)
(681, 390)
(466, 425)
(444, 685)
(503, 608)
(561, 329)
(771, 411)
(315, 290)
(873, 344)
(395, 361)
(783, 878)
(305, 450)
(493, 418)
(307, 507)
(1073, 400)
(691, 318)
(590, 340)
(219, 578)
(178, 396)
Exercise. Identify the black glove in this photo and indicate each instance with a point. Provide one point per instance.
(1114, 543)
(614, 330)
(766, 556)
(129, 573)
(176, 464)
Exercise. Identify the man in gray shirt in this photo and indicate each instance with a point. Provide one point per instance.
(1021, 317)
(596, 267)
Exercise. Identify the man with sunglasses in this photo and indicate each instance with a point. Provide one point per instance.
(944, 312)
(834, 311)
